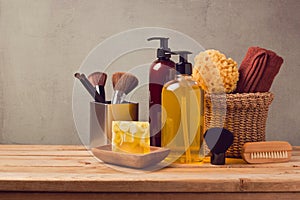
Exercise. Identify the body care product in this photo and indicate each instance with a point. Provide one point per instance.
(218, 141)
(98, 80)
(130, 137)
(267, 152)
(116, 77)
(258, 70)
(125, 84)
(162, 70)
(182, 115)
(214, 72)
(89, 87)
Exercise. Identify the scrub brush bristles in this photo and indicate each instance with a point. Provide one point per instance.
(266, 152)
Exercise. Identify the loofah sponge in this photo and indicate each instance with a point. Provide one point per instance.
(214, 72)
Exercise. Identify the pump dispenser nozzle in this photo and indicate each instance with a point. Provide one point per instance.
(183, 66)
(163, 51)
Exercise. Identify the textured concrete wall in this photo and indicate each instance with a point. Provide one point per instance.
(42, 43)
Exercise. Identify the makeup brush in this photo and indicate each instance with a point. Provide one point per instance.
(89, 87)
(116, 77)
(126, 84)
(218, 141)
(98, 80)
(93, 90)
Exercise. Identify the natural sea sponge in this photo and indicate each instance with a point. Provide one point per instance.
(214, 72)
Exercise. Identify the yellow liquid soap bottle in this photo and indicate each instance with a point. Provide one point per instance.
(183, 115)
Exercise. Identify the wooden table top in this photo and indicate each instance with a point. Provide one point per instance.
(53, 170)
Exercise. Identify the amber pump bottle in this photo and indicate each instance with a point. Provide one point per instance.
(162, 70)
(182, 119)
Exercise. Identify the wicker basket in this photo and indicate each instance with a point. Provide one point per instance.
(245, 115)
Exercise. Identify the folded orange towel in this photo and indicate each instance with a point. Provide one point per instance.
(258, 70)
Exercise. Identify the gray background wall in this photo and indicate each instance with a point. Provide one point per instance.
(42, 43)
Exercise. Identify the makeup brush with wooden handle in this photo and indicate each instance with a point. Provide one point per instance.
(89, 87)
(98, 80)
(126, 84)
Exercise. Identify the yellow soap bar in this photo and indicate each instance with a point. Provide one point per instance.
(131, 137)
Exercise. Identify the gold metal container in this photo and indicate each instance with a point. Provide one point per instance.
(101, 117)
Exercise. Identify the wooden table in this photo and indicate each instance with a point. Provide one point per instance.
(71, 172)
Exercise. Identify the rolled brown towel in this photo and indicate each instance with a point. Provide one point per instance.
(258, 70)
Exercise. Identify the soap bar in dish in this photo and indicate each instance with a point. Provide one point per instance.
(131, 137)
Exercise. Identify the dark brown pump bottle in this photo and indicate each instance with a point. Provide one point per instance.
(162, 70)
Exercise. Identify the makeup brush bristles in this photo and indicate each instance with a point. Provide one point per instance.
(116, 77)
(97, 78)
(126, 83)
(89, 87)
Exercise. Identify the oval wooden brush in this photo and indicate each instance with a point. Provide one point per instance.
(98, 80)
(116, 77)
(267, 152)
(125, 84)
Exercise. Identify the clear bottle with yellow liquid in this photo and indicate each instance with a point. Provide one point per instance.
(183, 115)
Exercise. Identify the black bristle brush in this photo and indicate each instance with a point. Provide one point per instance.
(218, 141)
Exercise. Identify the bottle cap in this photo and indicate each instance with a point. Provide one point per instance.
(218, 141)
(183, 66)
(163, 51)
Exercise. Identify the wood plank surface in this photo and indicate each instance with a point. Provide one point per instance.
(73, 169)
(147, 196)
(7, 147)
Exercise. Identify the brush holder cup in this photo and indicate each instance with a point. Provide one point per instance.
(245, 115)
(102, 115)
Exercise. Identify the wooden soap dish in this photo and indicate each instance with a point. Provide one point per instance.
(138, 161)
